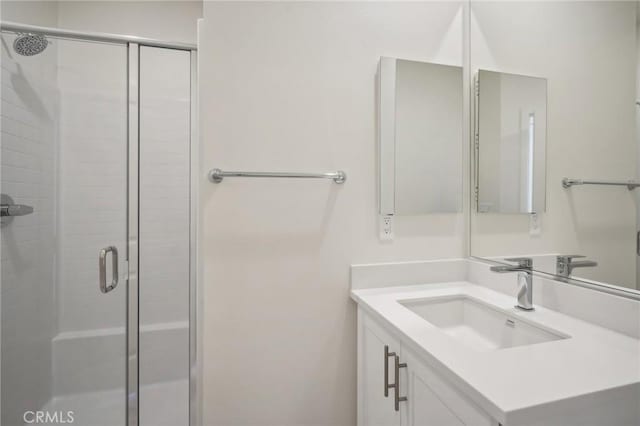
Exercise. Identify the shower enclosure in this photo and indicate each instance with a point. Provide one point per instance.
(98, 230)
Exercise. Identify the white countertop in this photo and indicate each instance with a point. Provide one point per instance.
(512, 383)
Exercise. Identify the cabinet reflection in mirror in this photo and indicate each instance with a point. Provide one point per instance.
(420, 137)
(511, 128)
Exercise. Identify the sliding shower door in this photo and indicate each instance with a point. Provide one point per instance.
(64, 269)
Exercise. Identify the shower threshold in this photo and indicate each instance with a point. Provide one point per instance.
(158, 405)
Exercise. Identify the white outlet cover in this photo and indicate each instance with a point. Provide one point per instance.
(535, 224)
(385, 227)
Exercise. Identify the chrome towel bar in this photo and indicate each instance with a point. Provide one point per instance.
(217, 175)
(568, 183)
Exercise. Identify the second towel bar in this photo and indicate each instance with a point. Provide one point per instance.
(217, 175)
(568, 183)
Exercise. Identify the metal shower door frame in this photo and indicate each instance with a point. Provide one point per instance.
(133, 220)
(195, 300)
(133, 291)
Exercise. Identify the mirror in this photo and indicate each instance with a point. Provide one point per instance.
(420, 137)
(511, 128)
(588, 54)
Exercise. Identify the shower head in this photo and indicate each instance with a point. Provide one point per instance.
(30, 44)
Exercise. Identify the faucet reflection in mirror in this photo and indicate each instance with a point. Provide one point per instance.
(565, 264)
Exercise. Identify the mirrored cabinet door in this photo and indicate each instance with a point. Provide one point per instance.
(511, 129)
(420, 137)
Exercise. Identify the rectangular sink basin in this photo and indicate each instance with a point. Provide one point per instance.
(477, 324)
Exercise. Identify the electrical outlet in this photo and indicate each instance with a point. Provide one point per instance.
(535, 224)
(386, 227)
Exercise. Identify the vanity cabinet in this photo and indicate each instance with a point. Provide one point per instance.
(374, 344)
(424, 397)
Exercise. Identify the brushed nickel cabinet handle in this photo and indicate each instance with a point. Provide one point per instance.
(397, 397)
(102, 267)
(387, 355)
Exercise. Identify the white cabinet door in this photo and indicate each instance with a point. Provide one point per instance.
(373, 407)
(433, 402)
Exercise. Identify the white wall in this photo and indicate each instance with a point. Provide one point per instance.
(165, 20)
(173, 20)
(291, 86)
(587, 51)
(43, 13)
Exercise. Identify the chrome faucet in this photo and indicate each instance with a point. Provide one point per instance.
(524, 268)
(565, 264)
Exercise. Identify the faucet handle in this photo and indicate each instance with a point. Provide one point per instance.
(569, 257)
(523, 262)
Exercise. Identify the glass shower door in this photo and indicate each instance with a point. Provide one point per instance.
(64, 153)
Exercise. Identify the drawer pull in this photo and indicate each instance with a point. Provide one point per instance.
(398, 398)
(387, 355)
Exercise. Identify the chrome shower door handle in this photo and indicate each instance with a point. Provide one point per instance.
(102, 266)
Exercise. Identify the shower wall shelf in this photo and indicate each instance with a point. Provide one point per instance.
(217, 175)
(568, 183)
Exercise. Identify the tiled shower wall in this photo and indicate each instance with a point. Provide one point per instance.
(28, 158)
